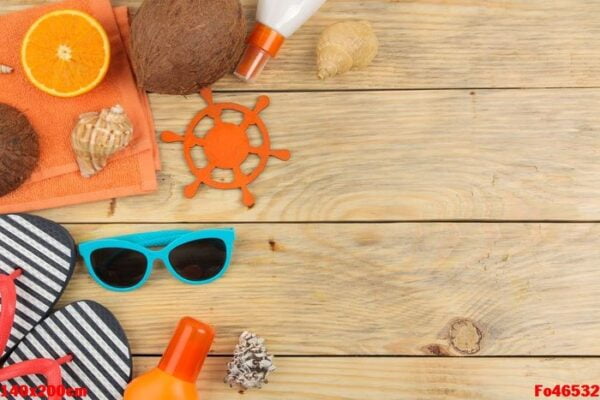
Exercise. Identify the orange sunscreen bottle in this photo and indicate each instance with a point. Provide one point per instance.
(176, 374)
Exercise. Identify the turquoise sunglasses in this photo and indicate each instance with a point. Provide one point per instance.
(124, 263)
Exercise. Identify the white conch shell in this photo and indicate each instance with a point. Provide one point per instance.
(5, 69)
(344, 46)
(97, 136)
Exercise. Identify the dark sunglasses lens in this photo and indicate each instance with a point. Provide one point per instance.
(199, 260)
(120, 268)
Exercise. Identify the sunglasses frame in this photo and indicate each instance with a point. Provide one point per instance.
(169, 239)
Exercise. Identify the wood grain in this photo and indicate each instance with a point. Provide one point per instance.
(389, 289)
(442, 44)
(364, 154)
(417, 155)
(400, 379)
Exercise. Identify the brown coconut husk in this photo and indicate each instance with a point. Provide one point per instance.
(181, 46)
(19, 149)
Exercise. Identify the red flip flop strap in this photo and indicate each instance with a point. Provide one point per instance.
(41, 366)
(8, 297)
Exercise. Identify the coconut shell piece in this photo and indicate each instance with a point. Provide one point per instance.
(181, 46)
(19, 149)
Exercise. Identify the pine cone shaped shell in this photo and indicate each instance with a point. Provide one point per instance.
(97, 136)
(19, 149)
(251, 364)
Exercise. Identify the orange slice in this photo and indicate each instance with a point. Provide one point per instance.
(66, 53)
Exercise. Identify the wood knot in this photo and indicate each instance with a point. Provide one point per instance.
(112, 207)
(465, 336)
(436, 350)
(273, 245)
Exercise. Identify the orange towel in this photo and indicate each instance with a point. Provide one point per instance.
(56, 181)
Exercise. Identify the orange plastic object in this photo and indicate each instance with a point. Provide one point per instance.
(176, 374)
(226, 146)
(266, 38)
(263, 44)
(187, 350)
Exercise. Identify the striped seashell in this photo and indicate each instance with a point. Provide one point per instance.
(97, 136)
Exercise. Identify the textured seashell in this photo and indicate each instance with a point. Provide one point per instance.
(344, 46)
(97, 136)
(251, 364)
(5, 69)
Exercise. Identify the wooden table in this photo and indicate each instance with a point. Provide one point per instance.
(444, 202)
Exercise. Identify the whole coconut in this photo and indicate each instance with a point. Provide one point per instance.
(181, 46)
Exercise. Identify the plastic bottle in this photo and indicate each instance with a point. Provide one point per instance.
(277, 20)
(176, 374)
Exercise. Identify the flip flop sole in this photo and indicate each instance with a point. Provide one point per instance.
(46, 253)
(101, 355)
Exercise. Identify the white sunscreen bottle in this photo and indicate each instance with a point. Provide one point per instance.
(277, 20)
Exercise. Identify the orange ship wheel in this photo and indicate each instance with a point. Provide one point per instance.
(226, 146)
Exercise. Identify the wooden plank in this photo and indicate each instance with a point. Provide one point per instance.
(400, 378)
(390, 289)
(417, 155)
(442, 44)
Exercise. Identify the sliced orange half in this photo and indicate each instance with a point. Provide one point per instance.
(66, 53)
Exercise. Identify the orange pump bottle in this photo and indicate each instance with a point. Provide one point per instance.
(176, 374)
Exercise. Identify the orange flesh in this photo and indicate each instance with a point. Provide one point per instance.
(66, 53)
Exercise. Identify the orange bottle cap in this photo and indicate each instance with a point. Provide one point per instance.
(187, 350)
(266, 38)
(263, 44)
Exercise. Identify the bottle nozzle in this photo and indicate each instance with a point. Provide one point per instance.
(187, 350)
(263, 44)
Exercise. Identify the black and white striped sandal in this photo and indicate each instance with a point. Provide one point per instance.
(85, 346)
(39, 256)
(79, 351)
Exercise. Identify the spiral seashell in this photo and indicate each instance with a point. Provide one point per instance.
(5, 69)
(99, 135)
(344, 46)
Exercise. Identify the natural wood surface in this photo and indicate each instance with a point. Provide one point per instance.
(388, 289)
(474, 110)
(418, 155)
(442, 44)
(400, 378)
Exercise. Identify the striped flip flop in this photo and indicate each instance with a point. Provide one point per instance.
(39, 256)
(85, 348)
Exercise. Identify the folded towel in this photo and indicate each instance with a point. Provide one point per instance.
(57, 181)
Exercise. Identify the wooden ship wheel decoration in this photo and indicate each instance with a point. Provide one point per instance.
(226, 146)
